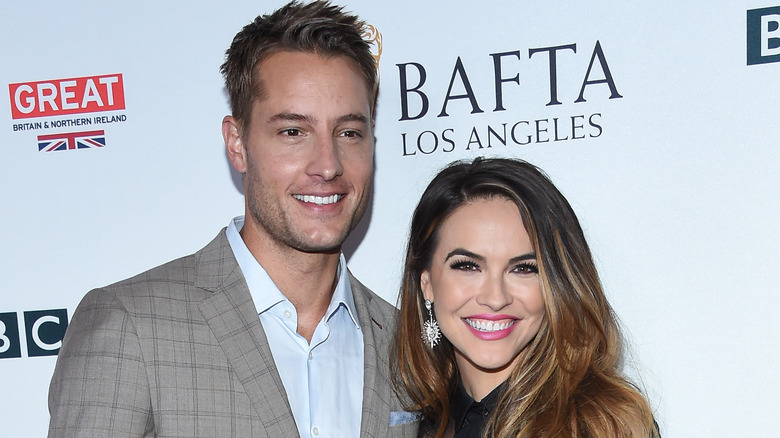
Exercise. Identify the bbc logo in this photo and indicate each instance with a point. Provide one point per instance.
(763, 35)
(43, 332)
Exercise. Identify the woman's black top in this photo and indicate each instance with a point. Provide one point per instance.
(468, 417)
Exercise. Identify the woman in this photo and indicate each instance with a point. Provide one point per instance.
(518, 337)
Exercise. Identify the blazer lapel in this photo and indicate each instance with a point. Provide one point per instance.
(377, 394)
(232, 317)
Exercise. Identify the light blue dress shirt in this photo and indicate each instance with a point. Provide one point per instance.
(323, 379)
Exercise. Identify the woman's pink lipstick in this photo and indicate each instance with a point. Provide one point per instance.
(490, 327)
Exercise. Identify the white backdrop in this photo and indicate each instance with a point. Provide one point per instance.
(675, 181)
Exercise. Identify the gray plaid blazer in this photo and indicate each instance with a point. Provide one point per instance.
(179, 351)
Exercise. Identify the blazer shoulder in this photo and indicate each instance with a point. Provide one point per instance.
(377, 306)
(181, 279)
(374, 309)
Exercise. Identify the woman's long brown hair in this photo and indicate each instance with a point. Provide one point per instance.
(568, 382)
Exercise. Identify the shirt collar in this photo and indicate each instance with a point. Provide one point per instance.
(264, 292)
(342, 296)
(462, 403)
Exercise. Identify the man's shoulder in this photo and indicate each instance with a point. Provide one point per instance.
(175, 270)
(359, 288)
(169, 279)
(378, 308)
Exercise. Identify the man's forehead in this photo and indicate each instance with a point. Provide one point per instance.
(295, 59)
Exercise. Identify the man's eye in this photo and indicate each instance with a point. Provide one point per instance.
(350, 133)
(291, 132)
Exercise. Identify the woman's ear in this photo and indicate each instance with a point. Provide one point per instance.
(425, 285)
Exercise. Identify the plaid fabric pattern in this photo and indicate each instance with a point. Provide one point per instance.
(179, 351)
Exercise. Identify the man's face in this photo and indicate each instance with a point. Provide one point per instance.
(308, 152)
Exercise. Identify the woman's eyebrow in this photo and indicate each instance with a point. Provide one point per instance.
(463, 252)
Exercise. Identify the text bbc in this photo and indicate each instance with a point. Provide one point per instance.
(43, 332)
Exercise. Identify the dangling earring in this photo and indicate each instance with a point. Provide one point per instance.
(430, 332)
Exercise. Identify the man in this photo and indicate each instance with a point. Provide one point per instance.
(263, 332)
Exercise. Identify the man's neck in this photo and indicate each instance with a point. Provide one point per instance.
(308, 280)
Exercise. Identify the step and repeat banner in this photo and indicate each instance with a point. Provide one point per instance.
(660, 121)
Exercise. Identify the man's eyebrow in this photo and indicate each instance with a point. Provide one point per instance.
(296, 117)
(353, 118)
(290, 117)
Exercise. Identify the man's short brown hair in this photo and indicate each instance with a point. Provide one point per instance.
(318, 27)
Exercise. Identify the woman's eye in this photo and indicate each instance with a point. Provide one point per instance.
(526, 268)
(465, 266)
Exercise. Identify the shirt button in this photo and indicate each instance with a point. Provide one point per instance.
(287, 314)
(310, 355)
(315, 431)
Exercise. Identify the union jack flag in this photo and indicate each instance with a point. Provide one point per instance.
(71, 140)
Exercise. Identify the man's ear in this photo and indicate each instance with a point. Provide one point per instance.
(234, 144)
(425, 285)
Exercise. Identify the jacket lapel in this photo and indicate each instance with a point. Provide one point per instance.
(232, 317)
(377, 394)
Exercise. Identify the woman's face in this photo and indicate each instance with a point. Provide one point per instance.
(484, 284)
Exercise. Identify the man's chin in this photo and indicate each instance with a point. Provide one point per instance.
(321, 244)
(326, 251)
